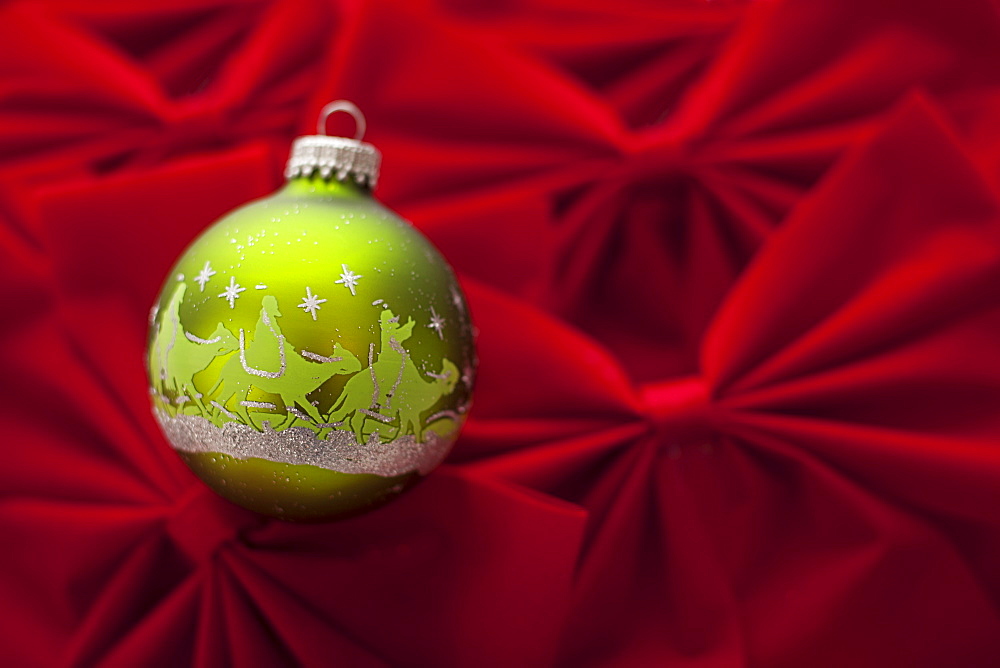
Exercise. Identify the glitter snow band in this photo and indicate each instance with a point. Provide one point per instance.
(299, 445)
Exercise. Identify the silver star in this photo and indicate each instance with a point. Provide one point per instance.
(437, 323)
(456, 299)
(349, 279)
(206, 273)
(310, 303)
(232, 292)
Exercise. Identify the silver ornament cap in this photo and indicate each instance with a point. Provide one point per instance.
(337, 157)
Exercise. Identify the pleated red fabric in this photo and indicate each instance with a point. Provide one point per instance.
(734, 268)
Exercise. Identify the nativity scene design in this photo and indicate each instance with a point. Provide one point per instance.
(259, 395)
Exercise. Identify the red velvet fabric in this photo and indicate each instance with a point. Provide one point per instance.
(736, 273)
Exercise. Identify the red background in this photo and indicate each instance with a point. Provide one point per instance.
(736, 269)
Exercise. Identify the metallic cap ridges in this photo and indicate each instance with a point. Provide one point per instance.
(337, 157)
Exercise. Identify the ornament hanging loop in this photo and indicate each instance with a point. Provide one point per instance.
(333, 156)
(348, 108)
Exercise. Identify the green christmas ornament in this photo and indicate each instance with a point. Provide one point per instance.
(310, 354)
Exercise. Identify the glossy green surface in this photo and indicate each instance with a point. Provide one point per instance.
(314, 313)
(294, 492)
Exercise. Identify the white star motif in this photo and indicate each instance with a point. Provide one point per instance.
(437, 322)
(456, 299)
(349, 279)
(310, 303)
(232, 292)
(206, 273)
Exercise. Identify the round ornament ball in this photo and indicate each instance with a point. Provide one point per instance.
(311, 355)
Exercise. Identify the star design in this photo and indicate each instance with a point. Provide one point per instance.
(310, 303)
(437, 323)
(456, 299)
(206, 273)
(349, 279)
(232, 292)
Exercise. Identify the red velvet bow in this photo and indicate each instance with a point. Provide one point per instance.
(638, 149)
(739, 364)
(841, 440)
(106, 86)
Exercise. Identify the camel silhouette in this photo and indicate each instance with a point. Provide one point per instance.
(165, 336)
(185, 354)
(392, 330)
(270, 364)
(392, 387)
